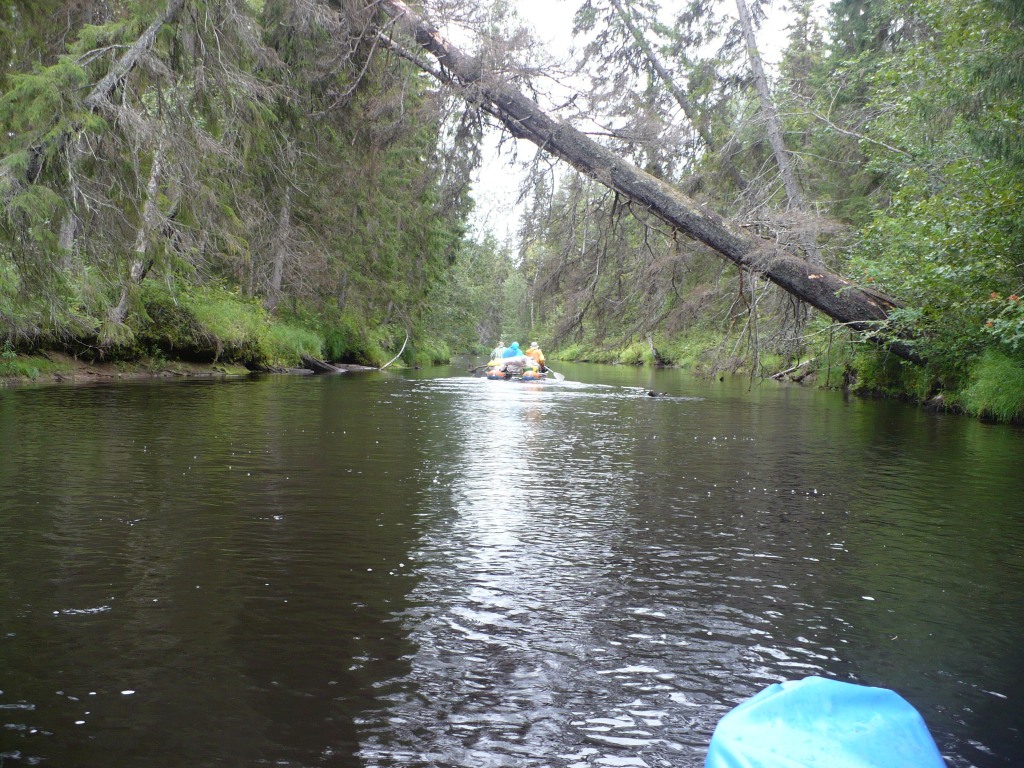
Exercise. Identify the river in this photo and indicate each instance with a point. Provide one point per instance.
(426, 569)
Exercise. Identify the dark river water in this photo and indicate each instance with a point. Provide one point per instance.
(427, 569)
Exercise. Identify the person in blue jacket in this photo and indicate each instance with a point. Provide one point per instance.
(513, 350)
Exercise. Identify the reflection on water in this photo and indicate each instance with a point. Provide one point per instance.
(417, 570)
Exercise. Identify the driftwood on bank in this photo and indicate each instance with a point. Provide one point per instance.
(321, 366)
(842, 300)
(389, 362)
(797, 367)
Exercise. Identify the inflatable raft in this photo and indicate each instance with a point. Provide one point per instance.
(519, 368)
(825, 724)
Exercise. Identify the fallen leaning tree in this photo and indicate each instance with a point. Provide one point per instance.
(845, 302)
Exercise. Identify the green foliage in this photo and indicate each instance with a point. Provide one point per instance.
(1007, 325)
(876, 372)
(24, 366)
(116, 337)
(690, 349)
(348, 340)
(317, 183)
(515, 310)
(224, 314)
(27, 34)
(243, 331)
(572, 351)
(467, 310)
(30, 212)
(38, 101)
(593, 353)
(637, 353)
(944, 250)
(10, 282)
(427, 352)
(285, 343)
(996, 389)
(331, 186)
(942, 126)
(40, 312)
(19, 368)
(170, 326)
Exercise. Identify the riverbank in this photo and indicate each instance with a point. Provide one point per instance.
(61, 368)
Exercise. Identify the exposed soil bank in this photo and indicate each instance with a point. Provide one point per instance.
(60, 368)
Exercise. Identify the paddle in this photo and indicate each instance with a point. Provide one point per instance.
(557, 375)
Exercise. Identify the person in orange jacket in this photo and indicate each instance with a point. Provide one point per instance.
(537, 355)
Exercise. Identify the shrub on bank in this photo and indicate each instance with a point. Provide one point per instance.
(996, 388)
(688, 351)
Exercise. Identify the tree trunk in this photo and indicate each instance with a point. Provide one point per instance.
(823, 289)
(284, 224)
(319, 366)
(143, 237)
(68, 233)
(773, 127)
(696, 120)
(98, 100)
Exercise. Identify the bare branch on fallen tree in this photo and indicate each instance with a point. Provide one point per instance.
(98, 99)
(99, 96)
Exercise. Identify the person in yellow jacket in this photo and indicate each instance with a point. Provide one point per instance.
(537, 355)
